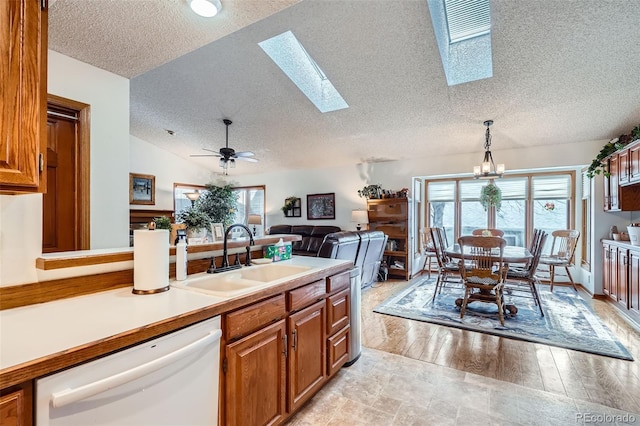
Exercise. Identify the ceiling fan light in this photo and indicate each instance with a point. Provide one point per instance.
(222, 163)
(206, 8)
(232, 163)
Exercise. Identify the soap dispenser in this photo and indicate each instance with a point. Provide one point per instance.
(181, 259)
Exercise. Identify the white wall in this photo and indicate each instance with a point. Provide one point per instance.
(168, 169)
(21, 216)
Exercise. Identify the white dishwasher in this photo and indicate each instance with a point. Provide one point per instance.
(171, 380)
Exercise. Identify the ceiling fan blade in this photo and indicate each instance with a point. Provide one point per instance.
(251, 160)
(204, 155)
(245, 154)
(210, 150)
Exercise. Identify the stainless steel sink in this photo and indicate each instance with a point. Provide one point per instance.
(239, 281)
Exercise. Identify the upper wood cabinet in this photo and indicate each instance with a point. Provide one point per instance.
(23, 98)
(619, 197)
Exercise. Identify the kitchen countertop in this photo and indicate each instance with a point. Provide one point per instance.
(38, 339)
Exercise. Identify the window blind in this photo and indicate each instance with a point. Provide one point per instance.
(552, 187)
(441, 191)
(470, 189)
(513, 189)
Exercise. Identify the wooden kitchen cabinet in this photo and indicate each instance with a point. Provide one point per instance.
(621, 276)
(619, 197)
(256, 377)
(307, 355)
(310, 334)
(634, 280)
(16, 405)
(610, 268)
(623, 167)
(634, 163)
(23, 137)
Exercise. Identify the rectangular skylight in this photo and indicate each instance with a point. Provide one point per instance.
(467, 19)
(292, 58)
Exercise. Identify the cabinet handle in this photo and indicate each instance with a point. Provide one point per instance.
(295, 340)
(285, 346)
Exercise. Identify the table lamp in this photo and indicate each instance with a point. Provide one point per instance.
(360, 217)
(254, 219)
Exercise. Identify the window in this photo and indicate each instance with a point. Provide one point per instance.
(250, 202)
(180, 191)
(528, 201)
(586, 221)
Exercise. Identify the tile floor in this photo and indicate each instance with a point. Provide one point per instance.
(387, 389)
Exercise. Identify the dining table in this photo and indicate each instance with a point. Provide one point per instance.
(510, 254)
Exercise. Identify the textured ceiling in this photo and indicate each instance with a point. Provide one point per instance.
(563, 71)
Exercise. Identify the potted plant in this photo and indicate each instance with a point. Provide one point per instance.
(289, 203)
(491, 196)
(370, 191)
(162, 222)
(195, 219)
(219, 203)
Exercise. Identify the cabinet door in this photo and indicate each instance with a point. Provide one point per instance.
(15, 405)
(610, 280)
(623, 274)
(338, 306)
(614, 189)
(307, 353)
(256, 378)
(623, 167)
(338, 350)
(23, 42)
(634, 280)
(634, 163)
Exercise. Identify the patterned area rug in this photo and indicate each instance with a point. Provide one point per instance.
(568, 321)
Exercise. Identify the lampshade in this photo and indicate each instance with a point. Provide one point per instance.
(255, 219)
(206, 8)
(359, 216)
(488, 170)
(193, 196)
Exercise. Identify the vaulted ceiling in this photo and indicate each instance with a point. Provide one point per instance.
(563, 72)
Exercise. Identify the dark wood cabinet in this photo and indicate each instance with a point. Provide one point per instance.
(623, 167)
(307, 360)
(391, 216)
(634, 163)
(256, 377)
(23, 130)
(619, 197)
(621, 275)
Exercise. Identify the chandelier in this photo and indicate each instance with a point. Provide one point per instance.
(488, 169)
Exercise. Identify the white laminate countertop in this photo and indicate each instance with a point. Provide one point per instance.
(31, 332)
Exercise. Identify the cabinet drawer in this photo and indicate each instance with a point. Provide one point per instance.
(249, 319)
(338, 311)
(306, 295)
(338, 350)
(338, 282)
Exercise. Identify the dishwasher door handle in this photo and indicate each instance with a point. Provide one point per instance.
(68, 396)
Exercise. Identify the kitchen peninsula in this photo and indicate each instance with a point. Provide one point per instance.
(40, 339)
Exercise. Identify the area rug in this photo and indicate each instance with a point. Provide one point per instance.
(568, 321)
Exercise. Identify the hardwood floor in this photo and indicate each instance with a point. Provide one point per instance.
(519, 382)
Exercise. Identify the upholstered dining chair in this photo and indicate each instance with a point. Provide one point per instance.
(493, 232)
(448, 271)
(563, 249)
(428, 250)
(483, 271)
(525, 277)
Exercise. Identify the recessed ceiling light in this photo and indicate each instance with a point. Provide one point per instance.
(206, 8)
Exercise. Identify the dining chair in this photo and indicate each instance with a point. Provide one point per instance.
(483, 272)
(563, 249)
(493, 232)
(448, 270)
(520, 277)
(428, 250)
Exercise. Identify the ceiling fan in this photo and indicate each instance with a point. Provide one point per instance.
(228, 156)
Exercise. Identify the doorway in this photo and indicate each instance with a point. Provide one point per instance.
(65, 205)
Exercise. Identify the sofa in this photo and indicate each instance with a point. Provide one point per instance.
(364, 248)
(312, 237)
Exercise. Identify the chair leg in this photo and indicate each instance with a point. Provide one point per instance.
(464, 302)
(500, 308)
(551, 275)
(435, 291)
(536, 296)
(571, 279)
(429, 267)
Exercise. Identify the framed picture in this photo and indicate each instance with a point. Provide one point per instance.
(295, 210)
(142, 189)
(217, 231)
(321, 206)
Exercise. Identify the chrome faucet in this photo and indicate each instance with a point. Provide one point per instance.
(225, 258)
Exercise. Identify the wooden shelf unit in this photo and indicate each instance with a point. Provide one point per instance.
(391, 216)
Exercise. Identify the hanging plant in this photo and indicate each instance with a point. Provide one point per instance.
(597, 166)
(491, 196)
(289, 203)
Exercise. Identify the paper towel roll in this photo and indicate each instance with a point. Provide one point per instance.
(150, 261)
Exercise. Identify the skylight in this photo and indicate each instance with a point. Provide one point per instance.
(463, 32)
(292, 58)
(467, 19)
